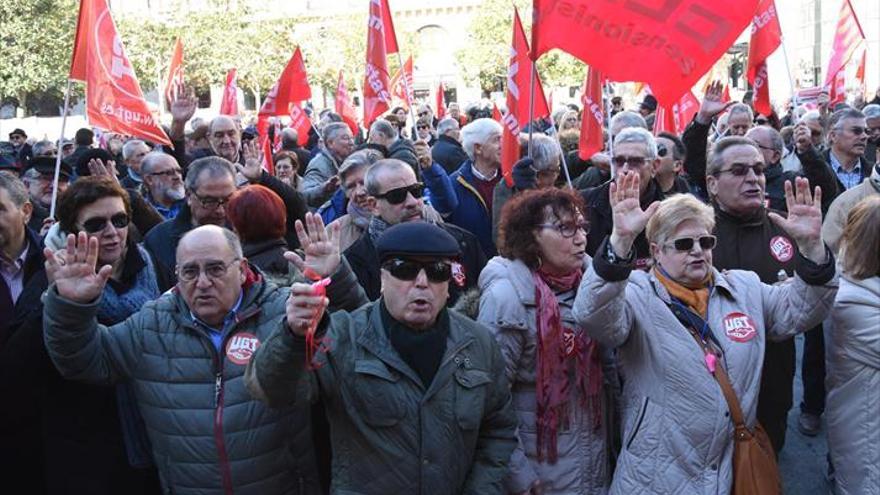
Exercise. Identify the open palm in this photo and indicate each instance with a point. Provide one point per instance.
(804, 221)
(73, 269)
(628, 216)
(320, 244)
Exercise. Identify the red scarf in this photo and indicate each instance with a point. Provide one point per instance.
(556, 346)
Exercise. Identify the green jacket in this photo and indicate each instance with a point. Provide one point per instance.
(389, 434)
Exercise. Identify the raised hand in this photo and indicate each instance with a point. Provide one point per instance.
(99, 169)
(73, 269)
(423, 153)
(302, 307)
(627, 214)
(183, 105)
(252, 169)
(320, 244)
(804, 222)
(712, 104)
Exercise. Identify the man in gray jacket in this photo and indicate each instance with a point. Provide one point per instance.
(415, 393)
(320, 180)
(185, 355)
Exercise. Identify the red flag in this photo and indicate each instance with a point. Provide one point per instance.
(761, 86)
(593, 120)
(496, 114)
(668, 44)
(441, 101)
(377, 95)
(402, 83)
(114, 101)
(299, 121)
(519, 78)
(266, 144)
(229, 103)
(292, 87)
(837, 89)
(766, 38)
(388, 23)
(674, 119)
(344, 107)
(725, 95)
(860, 71)
(848, 37)
(175, 73)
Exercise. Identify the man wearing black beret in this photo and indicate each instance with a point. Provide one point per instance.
(39, 178)
(415, 393)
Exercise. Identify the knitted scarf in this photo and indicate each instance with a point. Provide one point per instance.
(376, 228)
(359, 216)
(696, 298)
(116, 307)
(557, 347)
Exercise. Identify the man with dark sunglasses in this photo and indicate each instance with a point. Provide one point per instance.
(399, 199)
(415, 393)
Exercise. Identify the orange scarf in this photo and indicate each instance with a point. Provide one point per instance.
(696, 299)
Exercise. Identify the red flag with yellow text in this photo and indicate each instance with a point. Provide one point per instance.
(593, 120)
(114, 100)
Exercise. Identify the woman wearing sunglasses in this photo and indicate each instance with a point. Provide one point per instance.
(684, 329)
(93, 437)
(553, 367)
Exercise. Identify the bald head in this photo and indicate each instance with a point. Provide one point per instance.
(225, 137)
(210, 235)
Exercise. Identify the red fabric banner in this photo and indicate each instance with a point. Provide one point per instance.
(174, 84)
(229, 103)
(725, 95)
(837, 89)
(860, 71)
(669, 44)
(377, 90)
(848, 37)
(519, 78)
(766, 37)
(344, 107)
(593, 120)
(402, 83)
(390, 35)
(292, 87)
(441, 101)
(114, 100)
(761, 87)
(299, 121)
(674, 119)
(496, 114)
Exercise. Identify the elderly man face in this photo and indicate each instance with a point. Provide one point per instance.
(417, 301)
(454, 111)
(849, 137)
(225, 138)
(165, 180)
(739, 123)
(209, 273)
(354, 190)
(873, 129)
(738, 187)
(209, 199)
(489, 151)
(13, 222)
(40, 186)
(342, 143)
(762, 136)
(634, 158)
(137, 157)
(400, 196)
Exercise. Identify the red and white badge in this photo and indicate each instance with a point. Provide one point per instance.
(781, 248)
(241, 347)
(458, 275)
(739, 327)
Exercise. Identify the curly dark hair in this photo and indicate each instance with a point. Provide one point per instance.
(83, 192)
(521, 215)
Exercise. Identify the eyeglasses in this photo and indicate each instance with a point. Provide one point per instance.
(633, 161)
(168, 173)
(422, 114)
(743, 170)
(422, 127)
(213, 271)
(568, 229)
(408, 270)
(397, 196)
(98, 224)
(212, 203)
(761, 122)
(686, 244)
(661, 150)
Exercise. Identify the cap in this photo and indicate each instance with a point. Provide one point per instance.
(46, 165)
(649, 102)
(416, 239)
(82, 160)
(20, 132)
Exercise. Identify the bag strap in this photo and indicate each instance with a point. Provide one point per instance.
(720, 374)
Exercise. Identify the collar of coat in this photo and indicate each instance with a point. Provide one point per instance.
(722, 285)
(518, 274)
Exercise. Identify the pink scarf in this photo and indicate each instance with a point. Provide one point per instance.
(556, 346)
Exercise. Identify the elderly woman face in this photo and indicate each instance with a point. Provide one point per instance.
(686, 255)
(562, 241)
(284, 168)
(107, 220)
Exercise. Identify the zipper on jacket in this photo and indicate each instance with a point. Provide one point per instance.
(638, 423)
(220, 443)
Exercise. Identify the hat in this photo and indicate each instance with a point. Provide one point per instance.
(20, 132)
(649, 103)
(250, 132)
(46, 165)
(82, 160)
(416, 239)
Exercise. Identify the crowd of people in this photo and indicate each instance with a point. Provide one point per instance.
(382, 312)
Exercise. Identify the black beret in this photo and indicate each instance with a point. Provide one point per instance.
(46, 165)
(20, 132)
(416, 239)
(82, 161)
(649, 102)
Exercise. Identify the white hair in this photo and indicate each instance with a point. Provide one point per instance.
(545, 152)
(478, 132)
(446, 125)
(637, 135)
(871, 111)
(129, 147)
(626, 119)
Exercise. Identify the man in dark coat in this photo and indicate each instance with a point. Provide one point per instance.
(447, 151)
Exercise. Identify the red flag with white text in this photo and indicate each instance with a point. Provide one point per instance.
(299, 120)
(174, 84)
(593, 120)
(344, 108)
(496, 114)
(114, 100)
(519, 78)
(848, 37)
(402, 83)
(229, 103)
(441, 101)
(377, 88)
(837, 89)
(668, 44)
(766, 38)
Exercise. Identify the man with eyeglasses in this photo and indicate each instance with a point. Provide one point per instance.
(415, 393)
(749, 240)
(21, 149)
(185, 355)
(848, 136)
(398, 199)
(39, 178)
(162, 183)
(667, 173)
(635, 152)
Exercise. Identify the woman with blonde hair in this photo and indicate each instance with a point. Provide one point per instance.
(853, 354)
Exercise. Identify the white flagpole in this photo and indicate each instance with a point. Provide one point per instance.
(409, 101)
(562, 155)
(790, 78)
(58, 155)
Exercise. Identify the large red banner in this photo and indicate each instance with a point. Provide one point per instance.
(377, 89)
(669, 44)
(114, 100)
(593, 119)
(766, 38)
(848, 37)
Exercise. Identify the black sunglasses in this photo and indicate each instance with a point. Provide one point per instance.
(397, 196)
(743, 170)
(97, 224)
(408, 270)
(685, 244)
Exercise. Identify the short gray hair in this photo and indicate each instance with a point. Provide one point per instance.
(213, 166)
(715, 162)
(871, 111)
(129, 146)
(40, 147)
(811, 116)
(383, 127)
(446, 125)
(842, 114)
(372, 181)
(673, 211)
(625, 119)
(332, 130)
(545, 152)
(15, 188)
(477, 132)
(151, 160)
(741, 108)
(776, 141)
(355, 161)
(637, 135)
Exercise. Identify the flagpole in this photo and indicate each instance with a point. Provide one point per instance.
(606, 103)
(531, 105)
(790, 78)
(58, 155)
(562, 155)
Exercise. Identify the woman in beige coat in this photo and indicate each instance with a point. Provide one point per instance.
(677, 428)
(853, 354)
